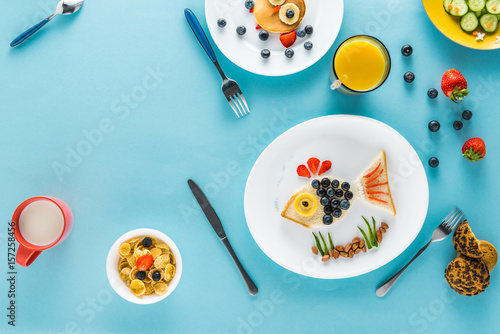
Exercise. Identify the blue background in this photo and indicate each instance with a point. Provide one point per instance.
(73, 76)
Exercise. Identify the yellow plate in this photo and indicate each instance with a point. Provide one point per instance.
(450, 27)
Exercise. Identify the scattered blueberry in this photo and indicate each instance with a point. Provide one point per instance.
(458, 125)
(433, 162)
(327, 219)
(406, 50)
(409, 77)
(337, 213)
(308, 45)
(241, 30)
(266, 54)
(335, 203)
(315, 184)
(328, 209)
(321, 192)
(325, 182)
(324, 201)
(301, 33)
(249, 4)
(348, 195)
(434, 126)
(330, 192)
(339, 193)
(344, 204)
(290, 13)
(345, 186)
(289, 53)
(467, 115)
(335, 183)
(263, 35)
(309, 29)
(432, 93)
(141, 275)
(156, 276)
(221, 23)
(147, 242)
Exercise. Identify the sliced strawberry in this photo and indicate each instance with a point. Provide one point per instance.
(276, 9)
(144, 262)
(303, 171)
(258, 27)
(313, 164)
(250, 10)
(325, 167)
(288, 38)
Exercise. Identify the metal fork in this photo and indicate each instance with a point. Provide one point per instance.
(441, 232)
(230, 88)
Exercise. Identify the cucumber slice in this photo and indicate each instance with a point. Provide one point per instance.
(476, 5)
(460, 8)
(498, 16)
(493, 6)
(469, 22)
(447, 5)
(489, 22)
(478, 13)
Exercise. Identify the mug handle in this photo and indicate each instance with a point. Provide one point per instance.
(26, 256)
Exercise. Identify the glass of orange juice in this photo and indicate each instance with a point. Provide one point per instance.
(360, 64)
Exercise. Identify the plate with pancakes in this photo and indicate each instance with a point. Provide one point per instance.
(277, 18)
(370, 172)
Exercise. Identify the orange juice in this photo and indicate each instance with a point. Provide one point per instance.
(361, 63)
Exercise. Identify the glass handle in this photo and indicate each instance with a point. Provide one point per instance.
(336, 84)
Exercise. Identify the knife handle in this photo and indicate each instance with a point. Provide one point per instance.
(252, 288)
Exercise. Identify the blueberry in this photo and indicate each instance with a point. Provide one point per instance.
(156, 276)
(141, 275)
(327, 219)
(308, 45)
(321, 192)
(406, 50)
(289, 53)
(409, 77)
(433, 162)
(221, 23)
(344, 204)
(249, 4)
(337, 213)
(432, 93)
(467, 115)
(348, 195)
(315, 184)
(345, 186)
(241, 30)
(263, 35)
(147, 242)
(328, 209)
(265, 53)
(330, 192)
(335, 183)
(339, 193)
(290, 13)
(324, 201)
(301, 33)
(434, 126)
(335, 203)
(458, 125)
(325, 182)
(309, 29)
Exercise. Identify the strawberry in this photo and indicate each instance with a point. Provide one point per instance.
(276, 9)
(313, 164)
(474, 149)
(258, 27)
(251, 10)
(303, 171)
(454, 85)
(144, 262)
(288, 38)
(325, 167)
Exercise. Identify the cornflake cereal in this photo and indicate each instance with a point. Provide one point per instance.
(146, 265)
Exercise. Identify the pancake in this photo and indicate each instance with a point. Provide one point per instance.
(269, 21)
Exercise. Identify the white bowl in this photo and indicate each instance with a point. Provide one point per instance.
(121, 287)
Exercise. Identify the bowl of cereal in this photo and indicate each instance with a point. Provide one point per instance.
(144, 266)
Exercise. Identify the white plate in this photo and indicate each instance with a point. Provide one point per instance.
(324, 15)
(351, 143)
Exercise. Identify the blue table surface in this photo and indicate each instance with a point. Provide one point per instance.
(135, 73)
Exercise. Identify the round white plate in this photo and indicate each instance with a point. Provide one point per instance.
(324, 15)
(351, 143)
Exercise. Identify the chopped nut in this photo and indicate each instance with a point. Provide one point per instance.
(351, 254)
(344, 254)
(383, 230)
(355, 240)
(330, 253)
(340, 248)
(384, 225)
(357, 251)
(325, 258)
(336, 254)
(348, 247)
(363, 249)
(379, 236)
(362, 243)
(315, 250)
(355, 246)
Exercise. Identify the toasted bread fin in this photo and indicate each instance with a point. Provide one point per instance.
(372, 185)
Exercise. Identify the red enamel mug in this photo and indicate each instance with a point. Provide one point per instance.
(45, 221)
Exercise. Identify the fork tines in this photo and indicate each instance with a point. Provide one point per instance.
(452, 220)
(239, 104)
